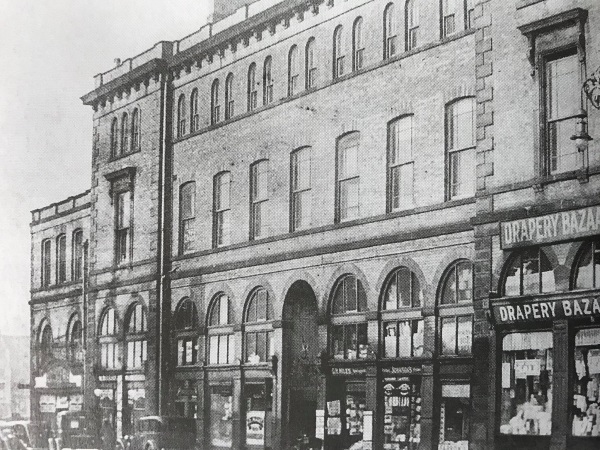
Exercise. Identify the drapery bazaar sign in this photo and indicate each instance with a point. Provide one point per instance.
(551, 227)
(527, 311)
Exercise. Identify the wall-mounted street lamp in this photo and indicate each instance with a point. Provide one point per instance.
(581, 136)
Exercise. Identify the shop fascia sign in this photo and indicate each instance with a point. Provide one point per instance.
(520, 311)
(348, 371)
(550, 228)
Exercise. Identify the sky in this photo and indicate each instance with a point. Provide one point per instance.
(51, 51)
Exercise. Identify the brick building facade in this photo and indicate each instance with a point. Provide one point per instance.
(341, 218)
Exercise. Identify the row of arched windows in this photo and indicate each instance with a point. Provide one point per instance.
(45, 342)
(450, 14)
(400, 309)
(60, 256)
(126, 137)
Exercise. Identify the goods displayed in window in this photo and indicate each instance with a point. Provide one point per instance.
(526, 397)
(586, 395)
(221, 414)
(346, 411)
(402, 413)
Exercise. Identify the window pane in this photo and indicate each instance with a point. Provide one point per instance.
(417, 337)
(223, 349)
(563, 87)
(531, 271)
(586, 395)
(223, 310)
(391, 295)
(302, 210)
(261, 346)
(404, 287)
(563, 153)
(404, 339)
(455, 414)
(449, 336)
(391, 340)
(250, 346)
(223, 227)
(402, 180)
(214, 350)
(349, 199)
(465, 281)
(526, 403)
(221, 416)
(512, 283)
(188, 192)
(348, 161)
(231, 351)
(337, 342)
(465, 335)
(351, 342)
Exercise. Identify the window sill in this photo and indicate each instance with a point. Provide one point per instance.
(124, 155)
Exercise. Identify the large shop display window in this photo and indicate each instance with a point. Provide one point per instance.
(402, 413)
(529, 272)
(345, 412)
(221, 414)
(586, 395)
(526, 398)
(588, 267)
(348, 330)
(455, 416)
(259, 401)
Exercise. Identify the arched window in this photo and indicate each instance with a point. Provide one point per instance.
(61, 258)
(358, 49)
(338, 53)
(221, 209)
(181, 116)
(412, 24)
(108, 340)
(267, 81)
(587, 267)
(135, 336)
(215, 108)
(403, 336)
(114, 137)
(75, 340)
(77, 256)
(252, 89)
(257, 329)
(135, 130)
(187, 217)
(45, 344)
(124, 134)
(293, 72)
(221, 340)
(194, 117)
(229, 111)
(389, 31)
(348, 329)
(528, 272)
(348, 177)
(311, 64)
(456, 314)
(186, 316)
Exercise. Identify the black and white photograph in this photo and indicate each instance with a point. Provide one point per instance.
(300, 225)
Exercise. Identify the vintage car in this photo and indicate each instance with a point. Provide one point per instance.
(76, 430)
(163, 432)
(15, 435)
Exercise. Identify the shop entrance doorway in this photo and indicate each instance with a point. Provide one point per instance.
(300, 362)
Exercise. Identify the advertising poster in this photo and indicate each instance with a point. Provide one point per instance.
(255, 428)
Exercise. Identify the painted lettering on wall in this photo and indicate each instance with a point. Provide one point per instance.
(551, 227)
(546, 310)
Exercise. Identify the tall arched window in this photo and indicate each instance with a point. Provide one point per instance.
(186, 331)
(389, 31)
(77, 256)
(187, 217)
(135, 130)
(403, 336)
(194, 116)
(338, 53)
(358, 49)
(181, 112)
(108, 340)
(348, 177)
(257, 327)
(252, 89)
(310, 75)
(528, 271)
(125, 134)
(268, 81)
(348, 329)
(229, 103)
(215, 108)
(61, 258)
(114, 137)
(456, 313)
(412, 24)
(45, 344)
(293, 71)
(221, 340)
(587, 267)
(137, 351)
(75, 340)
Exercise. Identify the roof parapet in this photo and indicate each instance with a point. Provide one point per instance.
(71, 204)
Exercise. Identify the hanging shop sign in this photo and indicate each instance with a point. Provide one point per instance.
(550, 228)
(255, 428)
(539, 310)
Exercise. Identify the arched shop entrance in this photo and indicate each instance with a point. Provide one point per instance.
(300, 362)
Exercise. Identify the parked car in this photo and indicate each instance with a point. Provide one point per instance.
(161, 432)
(76, 430)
